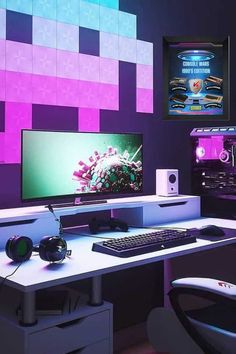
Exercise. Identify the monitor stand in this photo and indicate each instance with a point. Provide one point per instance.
(78, 202)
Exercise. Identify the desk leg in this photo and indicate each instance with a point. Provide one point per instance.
(96, 291)
(168, 277)
(28, 309)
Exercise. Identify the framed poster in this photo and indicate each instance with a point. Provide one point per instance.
(196, 78)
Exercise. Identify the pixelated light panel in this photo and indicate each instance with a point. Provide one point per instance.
(66, 53)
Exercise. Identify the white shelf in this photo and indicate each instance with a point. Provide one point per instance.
(35, 212)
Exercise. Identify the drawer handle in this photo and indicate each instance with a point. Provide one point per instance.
(70, 323)
(171, 204)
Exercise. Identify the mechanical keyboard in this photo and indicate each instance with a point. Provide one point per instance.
(144, 243)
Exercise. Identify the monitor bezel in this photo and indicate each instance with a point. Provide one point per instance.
(79, 195)
(225, 41)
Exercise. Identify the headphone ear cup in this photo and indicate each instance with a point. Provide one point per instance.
(19, 248)
(52, 248)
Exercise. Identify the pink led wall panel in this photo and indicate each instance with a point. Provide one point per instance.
(18, 87)
(2, 85)
(89, 119)
(3, 54)
(67, 64)
(144, 100)
(17, 117)
(18, 57)
(44, 89)
(67, 57)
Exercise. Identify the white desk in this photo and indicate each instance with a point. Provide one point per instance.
(84, 263)
(36, 274)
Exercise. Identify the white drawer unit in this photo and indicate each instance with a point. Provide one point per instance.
(70, 336)
(88, 330)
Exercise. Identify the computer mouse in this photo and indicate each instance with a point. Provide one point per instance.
(211, 230)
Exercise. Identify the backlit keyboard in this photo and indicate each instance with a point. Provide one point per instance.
(144, 243)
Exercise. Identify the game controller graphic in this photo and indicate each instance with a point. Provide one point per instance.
(96, 224)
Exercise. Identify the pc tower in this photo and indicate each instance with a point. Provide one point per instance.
(167, 182)
(214, 170)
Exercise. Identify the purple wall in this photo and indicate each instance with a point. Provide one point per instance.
(166, 144)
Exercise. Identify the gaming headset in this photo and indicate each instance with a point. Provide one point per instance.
(50, 248)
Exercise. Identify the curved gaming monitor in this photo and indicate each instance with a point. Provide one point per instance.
(58, 164)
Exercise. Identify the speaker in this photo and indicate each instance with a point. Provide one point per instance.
(167, 182)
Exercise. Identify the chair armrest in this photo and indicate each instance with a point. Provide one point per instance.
(214, 286)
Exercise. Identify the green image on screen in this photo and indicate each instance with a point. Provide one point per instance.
(56, 163)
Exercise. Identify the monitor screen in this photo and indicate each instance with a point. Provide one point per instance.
(59, 164)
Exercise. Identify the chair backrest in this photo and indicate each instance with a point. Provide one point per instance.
(210, 339)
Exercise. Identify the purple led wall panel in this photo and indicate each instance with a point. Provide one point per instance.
(44, 60)
(18, 87)
(89, 120)
(109, 96)
(17, 117)
(2, 147)
(44, 89)
(67, 64)
(49, 59)
(2, 85)
(18, 57)
(144, 101)
(67, 92)
(89, 67)
(89, 94)
(3, 54)
(109, 71)
(144, 75)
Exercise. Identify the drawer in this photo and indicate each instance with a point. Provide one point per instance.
(154, 213)
(102, 347)
(70, 336)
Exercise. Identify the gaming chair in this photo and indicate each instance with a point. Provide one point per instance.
(210, 328)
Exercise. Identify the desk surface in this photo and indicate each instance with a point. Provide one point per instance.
(37, 274)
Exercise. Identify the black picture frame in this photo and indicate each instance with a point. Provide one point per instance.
(217, 107)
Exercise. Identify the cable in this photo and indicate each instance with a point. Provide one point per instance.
(50, 208)
(9, 275)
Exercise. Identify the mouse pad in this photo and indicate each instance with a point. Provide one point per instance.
(229, 233)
